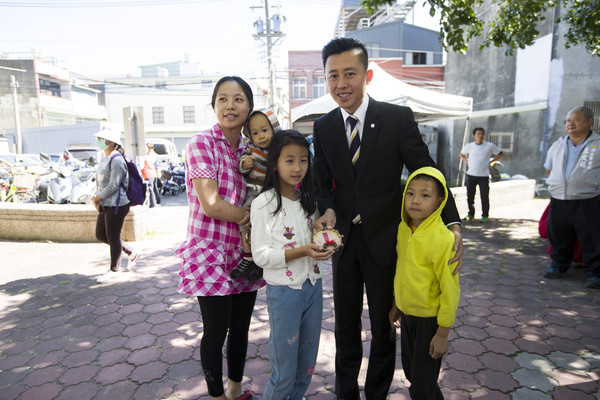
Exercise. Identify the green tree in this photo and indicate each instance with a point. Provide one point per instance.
(515, 23)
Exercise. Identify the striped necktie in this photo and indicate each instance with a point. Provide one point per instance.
(354, 153)
(354, 139)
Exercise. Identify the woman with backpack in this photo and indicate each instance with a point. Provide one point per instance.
(111, 202)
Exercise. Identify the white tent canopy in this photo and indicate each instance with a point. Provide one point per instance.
(426, 104)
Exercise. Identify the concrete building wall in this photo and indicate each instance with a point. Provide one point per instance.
(64, 100)
(546, 74)
(29, 112)
(524, 159)
(574, 79)
(487, 75)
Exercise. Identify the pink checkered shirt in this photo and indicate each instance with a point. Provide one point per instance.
(213, 247)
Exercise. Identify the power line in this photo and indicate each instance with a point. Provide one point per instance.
(115, 3)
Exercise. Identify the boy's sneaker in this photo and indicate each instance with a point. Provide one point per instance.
(109, 276)
(255, 273)
(553, 273)
(242, 269)
(485, 220)
(593, 283)
(469, 218)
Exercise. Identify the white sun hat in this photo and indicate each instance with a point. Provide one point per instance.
(110, 135)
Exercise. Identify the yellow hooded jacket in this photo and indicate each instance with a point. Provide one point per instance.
(424, 285)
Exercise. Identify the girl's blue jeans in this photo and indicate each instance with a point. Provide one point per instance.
(295, 320)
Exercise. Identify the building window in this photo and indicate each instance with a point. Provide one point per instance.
(419, 58)
(595, 107)
(299, 88)
(318, 86)
(49, 88)
(504, 140)
(158, 115)
(189, 115)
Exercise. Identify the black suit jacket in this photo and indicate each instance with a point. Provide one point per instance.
(390, 140)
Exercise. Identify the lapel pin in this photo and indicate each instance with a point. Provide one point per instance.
(372, 125)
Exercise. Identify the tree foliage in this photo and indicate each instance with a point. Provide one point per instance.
(515, 23)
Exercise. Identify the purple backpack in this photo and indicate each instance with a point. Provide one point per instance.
(136, 191)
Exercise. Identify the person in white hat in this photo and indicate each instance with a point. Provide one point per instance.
(111, 202)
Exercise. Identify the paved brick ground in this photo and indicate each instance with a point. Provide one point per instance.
(62, 336)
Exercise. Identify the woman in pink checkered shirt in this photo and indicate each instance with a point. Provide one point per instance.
(216, 192)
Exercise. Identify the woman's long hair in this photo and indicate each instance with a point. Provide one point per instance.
(306, 192)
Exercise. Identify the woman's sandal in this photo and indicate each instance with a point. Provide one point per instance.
(247, 395)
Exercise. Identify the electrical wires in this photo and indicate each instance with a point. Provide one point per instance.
(105, 3)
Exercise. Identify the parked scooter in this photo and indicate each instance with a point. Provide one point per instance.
(65, 185)
(44, 178)
(173, 180)
(60, 186)
(83, 185)
(496, 171)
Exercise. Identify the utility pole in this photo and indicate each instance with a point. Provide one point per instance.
(14, 85)
(272, 34)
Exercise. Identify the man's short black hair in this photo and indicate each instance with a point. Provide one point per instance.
(478, 129)
(341, 45)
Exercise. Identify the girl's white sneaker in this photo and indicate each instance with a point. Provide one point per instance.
(109, 276)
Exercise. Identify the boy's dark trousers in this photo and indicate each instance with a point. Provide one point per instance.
(484, 191)
(420, 369)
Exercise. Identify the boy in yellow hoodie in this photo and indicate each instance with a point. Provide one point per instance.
(426, 293)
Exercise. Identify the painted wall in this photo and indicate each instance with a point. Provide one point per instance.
(532, 72)
(308, 64)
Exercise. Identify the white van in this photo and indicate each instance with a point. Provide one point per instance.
(166, 150)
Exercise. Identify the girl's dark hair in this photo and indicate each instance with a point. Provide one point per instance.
(245, 87)
(306, 188)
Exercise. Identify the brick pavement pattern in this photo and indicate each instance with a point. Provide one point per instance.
(62, 336)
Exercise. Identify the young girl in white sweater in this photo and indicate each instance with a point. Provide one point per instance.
(282, 219)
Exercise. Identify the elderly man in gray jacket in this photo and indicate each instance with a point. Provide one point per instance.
(573, 165)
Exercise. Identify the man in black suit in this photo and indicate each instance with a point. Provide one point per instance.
(361, 195)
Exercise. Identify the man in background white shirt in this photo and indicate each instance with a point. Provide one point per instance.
(477, 156)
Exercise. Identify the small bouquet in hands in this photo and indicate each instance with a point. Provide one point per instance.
(327, 239)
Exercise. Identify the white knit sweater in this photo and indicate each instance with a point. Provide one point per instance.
(273, 234)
